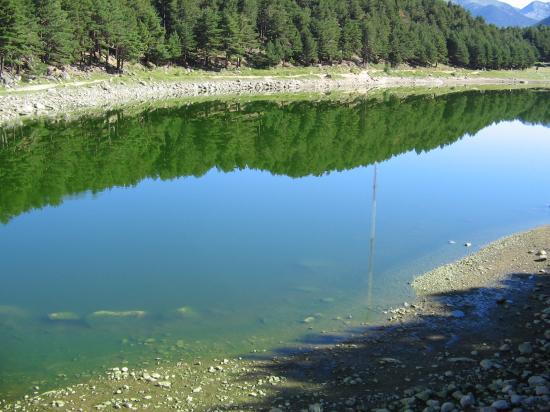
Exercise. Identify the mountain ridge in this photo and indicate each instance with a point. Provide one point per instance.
(537, 10)
(503, 14)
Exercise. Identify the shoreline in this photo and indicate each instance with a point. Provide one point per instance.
(476, 336)
(53, 100)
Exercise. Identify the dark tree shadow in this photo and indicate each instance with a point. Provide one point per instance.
(388, 363)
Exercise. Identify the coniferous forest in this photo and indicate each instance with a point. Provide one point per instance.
(258, 33)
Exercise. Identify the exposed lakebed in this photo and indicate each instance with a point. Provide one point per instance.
(232, 227)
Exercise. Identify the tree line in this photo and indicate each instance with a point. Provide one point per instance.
(206, 33)
(42, 162)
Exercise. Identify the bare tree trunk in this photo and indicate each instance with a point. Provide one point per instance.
(1, 66)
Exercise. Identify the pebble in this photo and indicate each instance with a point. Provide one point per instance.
(447, 407)
(457, 314)
(466, 401)
(525, 348)
(500, 405)
(315, 408)
(536, 380)
(542, 390)
(487, 364)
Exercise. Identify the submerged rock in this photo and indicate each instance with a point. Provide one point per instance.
(63, 316)
(185, 311)
(119, 314)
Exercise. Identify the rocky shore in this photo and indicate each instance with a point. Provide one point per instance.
(53, 100)
(477, 338)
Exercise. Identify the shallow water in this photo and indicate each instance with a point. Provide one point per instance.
(231, 228)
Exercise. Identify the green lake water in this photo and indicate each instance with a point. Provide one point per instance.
(217, 228)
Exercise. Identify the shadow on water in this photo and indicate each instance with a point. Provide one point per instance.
(383, 362)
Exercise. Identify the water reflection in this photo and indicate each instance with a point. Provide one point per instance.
(44, 162)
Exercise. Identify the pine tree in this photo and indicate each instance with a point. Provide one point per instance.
(328, 34)
(309, 47)
(351, 40)
(173, 47)
(18, 38)
(185, 17)
(458, 51)
(150, 30)
(208, 34)
(239, 34)
(55, 32)
(80, 15)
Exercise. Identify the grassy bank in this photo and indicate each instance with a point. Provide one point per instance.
(137, 73)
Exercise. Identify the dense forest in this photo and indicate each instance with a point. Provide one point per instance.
(259, 33)
(43, 162)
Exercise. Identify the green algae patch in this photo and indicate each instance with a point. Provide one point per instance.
(11, 311)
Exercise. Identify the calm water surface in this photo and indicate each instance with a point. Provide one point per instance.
(218, 228)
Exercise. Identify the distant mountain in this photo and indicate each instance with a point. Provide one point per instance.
(537, 10)
(497, 12)
(546, 21)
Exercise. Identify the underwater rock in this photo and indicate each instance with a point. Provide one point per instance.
(63, 316)
(119, 314)
(185, 311)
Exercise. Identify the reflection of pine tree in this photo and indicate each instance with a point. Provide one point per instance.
(295, 139)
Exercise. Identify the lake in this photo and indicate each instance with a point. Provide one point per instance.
(240, 228)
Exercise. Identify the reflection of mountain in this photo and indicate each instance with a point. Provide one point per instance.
(49, 161)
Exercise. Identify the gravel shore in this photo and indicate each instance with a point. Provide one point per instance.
(477, 338)
(71, 99)
(485, 268)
